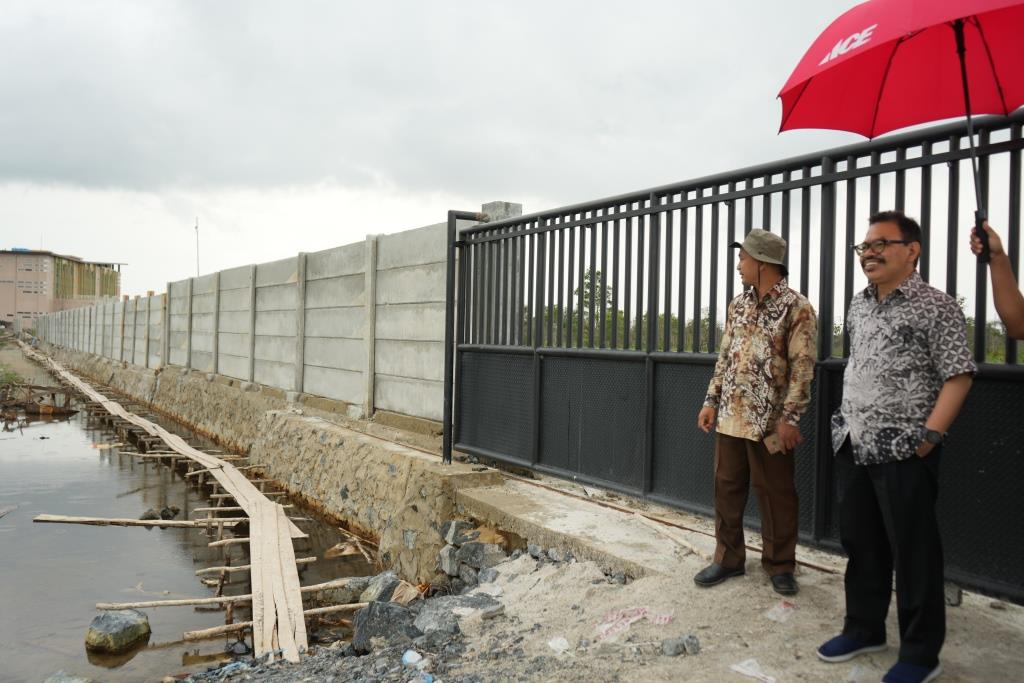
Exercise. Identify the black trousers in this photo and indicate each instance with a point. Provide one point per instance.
(887, 521)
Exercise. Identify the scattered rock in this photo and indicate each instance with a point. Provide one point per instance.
(468, 575)
(517, 553)
(453, 530)
(380, 588)
(117, 631)
(954, 594)
(239, 648)
(348, 593)
(487, 575)
(385, 620)
(438, 614)
(692, 644)
(534, 550)
(997, 604)
(481, 555)
(433, 641)
(169, 512)
(150, 514)
(619, 577)
(556, 555)
(447, 562)
(492, 611)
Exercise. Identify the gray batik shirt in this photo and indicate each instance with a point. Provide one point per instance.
(902, 350)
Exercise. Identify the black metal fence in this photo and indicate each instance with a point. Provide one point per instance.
(582, 339)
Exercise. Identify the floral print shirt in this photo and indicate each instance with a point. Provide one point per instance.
(902, 350)
(766, 363)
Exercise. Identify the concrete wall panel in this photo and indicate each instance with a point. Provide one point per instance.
(280, 349)
(418, 397)
(234, 345)
(233, 366)
(234, 278)
(276, 323)
(336, 291)
(234, 321)
(415, 284)
(349, 354)
(411, 322)
(274, 374)
(203, 284)
(234, 300)
(203, 303)
(276, 298)
(343, 385)
(347, 260)
(412, 247)
(202, 360)
(415, 360)
(280, 272)
(335, 322)
(202, 322)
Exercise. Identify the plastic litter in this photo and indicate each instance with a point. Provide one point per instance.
(751, 669)
(781, 612)
(615, 623)
(559, 644)
(411, 657)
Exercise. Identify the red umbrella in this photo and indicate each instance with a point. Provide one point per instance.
(887, 64)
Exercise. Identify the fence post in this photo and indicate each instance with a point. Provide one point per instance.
(135, 326)
(149, 308)
(300, 320)
(252, 323)
(826, 298)
(188, 325)
(165, 319)
(370, 323)
(124, 314)
(216, 322)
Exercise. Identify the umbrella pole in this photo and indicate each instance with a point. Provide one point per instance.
(980, 215)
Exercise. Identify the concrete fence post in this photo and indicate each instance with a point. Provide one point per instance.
(135, 326)
(370, 330)
(188, 318)
(252, 323)
(216, 322)
(165, 320)
(300, 320)
(145, 344)
(124, 314)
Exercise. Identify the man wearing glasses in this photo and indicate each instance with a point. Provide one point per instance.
(908, 374)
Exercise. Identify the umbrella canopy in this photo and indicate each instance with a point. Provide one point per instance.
(887, 64)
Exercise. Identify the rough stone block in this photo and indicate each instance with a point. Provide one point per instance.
(481, 555)
(468, 575)
(385, 620)
(117, 631)
(453, 529)
(381, 587)
(446, 561)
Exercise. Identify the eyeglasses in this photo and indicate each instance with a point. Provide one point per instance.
(876, 246)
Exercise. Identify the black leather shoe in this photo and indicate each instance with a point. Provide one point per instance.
(785, 584)
(715, 574)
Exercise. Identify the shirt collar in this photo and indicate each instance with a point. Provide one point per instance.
(908, 288)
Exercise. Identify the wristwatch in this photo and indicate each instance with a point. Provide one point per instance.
(933, 437)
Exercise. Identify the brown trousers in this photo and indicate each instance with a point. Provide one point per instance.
(738, 464)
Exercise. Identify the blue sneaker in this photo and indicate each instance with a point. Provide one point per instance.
(843, 648)
(903, 672)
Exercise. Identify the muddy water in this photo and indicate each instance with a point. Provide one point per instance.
(52, 575)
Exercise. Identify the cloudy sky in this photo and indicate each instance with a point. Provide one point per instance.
(297, 126)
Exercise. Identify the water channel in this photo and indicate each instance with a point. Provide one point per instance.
(52, 575)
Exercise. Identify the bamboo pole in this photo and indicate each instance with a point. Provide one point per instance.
(246, 567)
(107, 521)
(315, 588)
(244, 625)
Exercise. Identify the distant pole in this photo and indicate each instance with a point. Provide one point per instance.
(197, 246)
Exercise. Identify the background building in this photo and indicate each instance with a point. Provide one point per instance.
(36, 282)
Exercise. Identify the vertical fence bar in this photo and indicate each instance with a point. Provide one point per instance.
(666, 343)
(653, 276)
(581, 283)
(698, 263)
(570, 270)
(901, 181)
(952, 217)
(786, 211)
(766, 205)
(542, 239)
(627, 294)
(827, 266)
(730, 254)
(561, 287)
(550, 291)
(683, 220)
(981, 269)
(713, 284)
(531, 272)
(592, 284)
(851, 238)
(516, 285)
(641, 238)
(748, 208)
(805, 233)
(874, 185)
(1013, 229)
(615, 280)
(604, 273)
(925, 219)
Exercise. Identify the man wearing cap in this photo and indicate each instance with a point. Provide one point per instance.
(760, 389)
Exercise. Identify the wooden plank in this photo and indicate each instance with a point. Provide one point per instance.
(285, 622)
(110, 521)
(290, 578)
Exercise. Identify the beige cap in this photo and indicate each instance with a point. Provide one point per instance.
(764, 246)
